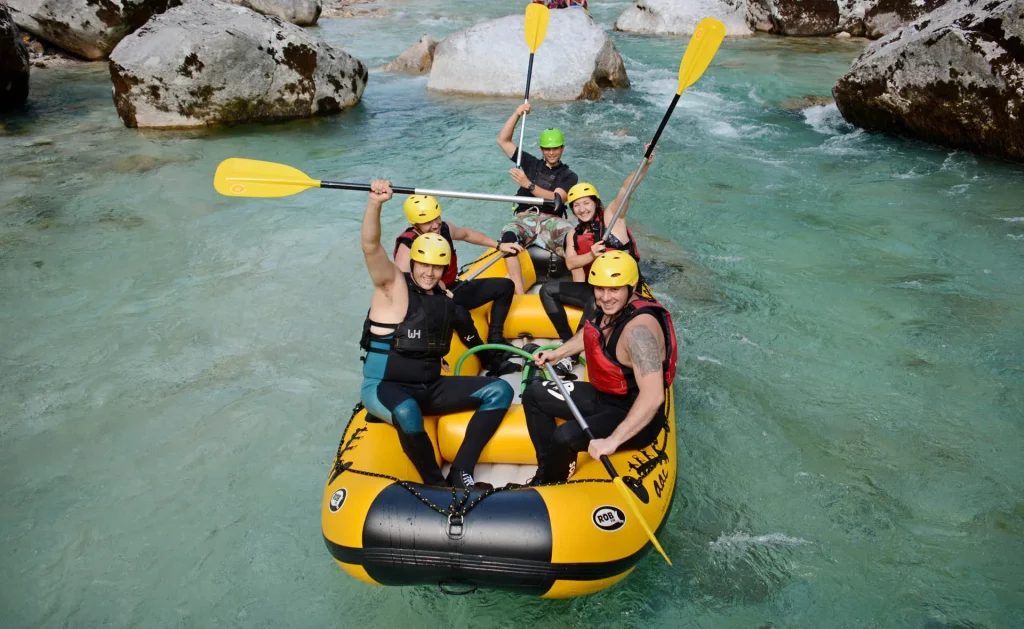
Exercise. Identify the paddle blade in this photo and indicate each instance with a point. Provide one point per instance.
(629, 497)
(704, 43)
(536, 25)
(239, 177)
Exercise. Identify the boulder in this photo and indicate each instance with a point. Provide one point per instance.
(301, 12)
(13, 63)
(802, 17)
(954, 77)
(416, 59)
(208, 63)
(680, 17)
(576, 59)
(87, 28)
(875, 18)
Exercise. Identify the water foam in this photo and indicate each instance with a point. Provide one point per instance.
(741, 541)
(826, 120)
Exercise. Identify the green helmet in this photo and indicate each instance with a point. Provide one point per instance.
(551, 139)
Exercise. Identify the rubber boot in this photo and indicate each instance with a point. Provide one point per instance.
(420, 451)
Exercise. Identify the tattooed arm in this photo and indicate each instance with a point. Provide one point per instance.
(644, 346)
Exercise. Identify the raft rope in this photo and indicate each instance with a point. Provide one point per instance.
(460, 504)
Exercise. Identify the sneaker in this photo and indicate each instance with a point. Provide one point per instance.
(460, 479)
(564, 368)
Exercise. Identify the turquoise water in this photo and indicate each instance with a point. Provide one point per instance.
(177, 367)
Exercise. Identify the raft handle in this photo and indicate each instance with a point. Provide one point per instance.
(455, 525)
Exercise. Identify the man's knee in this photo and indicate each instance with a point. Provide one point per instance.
(408, 416)
(570, 437)
(496, 394)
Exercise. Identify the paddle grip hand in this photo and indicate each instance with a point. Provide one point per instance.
(380, 191)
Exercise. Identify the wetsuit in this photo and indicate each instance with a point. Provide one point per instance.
(402, 381)
(555, 295)
(604, 401)
(472, 294)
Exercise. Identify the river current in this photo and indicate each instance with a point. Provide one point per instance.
(176, 367)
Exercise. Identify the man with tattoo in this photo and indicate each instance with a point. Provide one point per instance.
(630, 346)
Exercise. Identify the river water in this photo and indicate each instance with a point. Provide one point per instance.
(176, 367)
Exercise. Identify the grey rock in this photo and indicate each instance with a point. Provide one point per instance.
(209, 63)
(576, 59)
(680, 17)
(876, 18)
(301, 12)
(87, 28)
(954, 77)
(14, 67)
(417, 59)
(802, 17)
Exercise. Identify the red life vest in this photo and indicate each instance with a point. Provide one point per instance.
(410, 234)
(583, 241)
(606, 373)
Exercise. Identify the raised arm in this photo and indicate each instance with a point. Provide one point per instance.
(383, 273)
(611, 208)
(505, 140)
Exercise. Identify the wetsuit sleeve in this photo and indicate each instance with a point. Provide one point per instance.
(528, 162)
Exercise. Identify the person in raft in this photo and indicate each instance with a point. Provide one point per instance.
(424, 215)
(542, 178)
(407, 333)
(631, 359)
(582, 246)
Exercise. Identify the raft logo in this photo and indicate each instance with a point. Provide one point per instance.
(338, 499)
(608, 518)
(413, 334)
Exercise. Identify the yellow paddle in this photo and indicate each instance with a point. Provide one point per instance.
(535, 26)
(616, 479)
(704, 43)
(239, 177)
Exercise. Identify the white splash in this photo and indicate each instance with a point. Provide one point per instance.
(1013, 219)
(709, 360)
(826, 119)
(742, 541)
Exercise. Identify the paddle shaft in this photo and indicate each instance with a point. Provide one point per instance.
(479, 196)
(526, 99)
(474, 274)
(636, 175)
(578, 415)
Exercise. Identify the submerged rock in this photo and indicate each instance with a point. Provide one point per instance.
(207, 63)
(14, 67)
(954, 77)
(576, 59)
(87, 28)
(680, 17)
(418, 59)
(301, 12)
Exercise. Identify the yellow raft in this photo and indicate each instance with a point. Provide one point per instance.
(382, 526)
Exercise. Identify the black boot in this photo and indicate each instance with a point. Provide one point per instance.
(461, 479)
(420, 451)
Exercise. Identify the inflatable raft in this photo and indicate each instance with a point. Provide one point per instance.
(382, 526)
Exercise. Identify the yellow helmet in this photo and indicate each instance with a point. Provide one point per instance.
(421, 208)
(614, 268)
(581, 189)
(431, 249)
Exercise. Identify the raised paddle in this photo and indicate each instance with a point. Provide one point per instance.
(616, 479)
(239, 177)
(704, 43)
(535, 26)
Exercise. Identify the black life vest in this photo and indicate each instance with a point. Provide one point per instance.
(410, 234)
(420, 341)
(605, 372)
(583, 240)
(542, 177)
